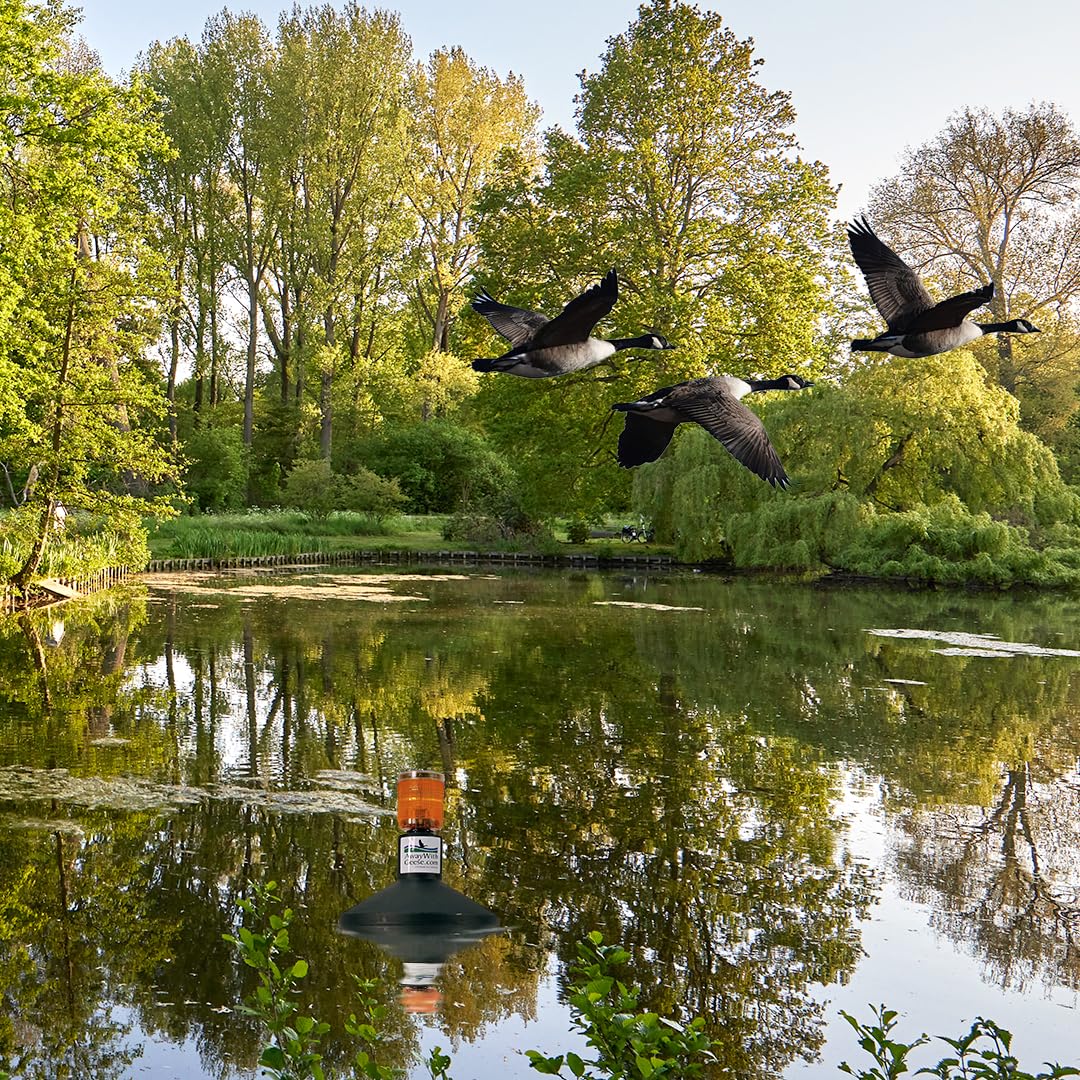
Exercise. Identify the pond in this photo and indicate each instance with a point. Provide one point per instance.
(783, 800)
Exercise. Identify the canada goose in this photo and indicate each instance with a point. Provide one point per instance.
(544, 347)
(917, 326)
(714, 404)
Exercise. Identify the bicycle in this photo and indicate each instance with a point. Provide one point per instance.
(637, 534)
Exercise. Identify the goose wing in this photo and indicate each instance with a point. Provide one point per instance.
(575, 322)
(951, 312)
(897, 291)
(517, 325)
(728, 420)
(643, 439)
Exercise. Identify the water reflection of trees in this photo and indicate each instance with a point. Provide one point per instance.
(663, 778)
(1004, 880)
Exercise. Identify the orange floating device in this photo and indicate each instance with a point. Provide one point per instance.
(420, 800)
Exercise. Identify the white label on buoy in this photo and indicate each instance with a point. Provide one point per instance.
(418, 854)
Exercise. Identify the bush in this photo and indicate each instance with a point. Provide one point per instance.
(313, 487)
(578, 532)
(216, 475)
(440, 466)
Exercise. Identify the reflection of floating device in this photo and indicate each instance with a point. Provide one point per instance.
(418, 919)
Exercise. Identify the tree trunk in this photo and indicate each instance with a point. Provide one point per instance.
(326, 386)
(33, 559)
(170, 387)
(249, 371)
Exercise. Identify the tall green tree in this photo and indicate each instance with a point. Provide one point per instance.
(188, 191)
(77, 409)
(342, 82)
(237, 55)
(468, 129)
(684, 174)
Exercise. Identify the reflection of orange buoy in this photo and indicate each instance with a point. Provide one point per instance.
(420, 800)
(420, 1000)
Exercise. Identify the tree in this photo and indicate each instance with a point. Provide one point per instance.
(341, 79)
(997, 198)
(468, 128)
(237, 55)
(190, 196)
(80, 289)
(682, 174)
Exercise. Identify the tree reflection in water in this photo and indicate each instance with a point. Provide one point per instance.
(670, 778)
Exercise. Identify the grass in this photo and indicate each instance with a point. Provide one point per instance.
(288, 532)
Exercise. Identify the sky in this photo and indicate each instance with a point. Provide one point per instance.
(866, 79)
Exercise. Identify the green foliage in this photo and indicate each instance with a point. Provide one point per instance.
(505, 529)
(79, 281)
(628, 1043)
(440, 466)
(681, 174)
(293, 1052)
(578, 531)
(262, 533)
(312, 486)
(984, 1053)
(909, 468)
(216, 474)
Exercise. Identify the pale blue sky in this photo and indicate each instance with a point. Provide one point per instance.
(861, 94)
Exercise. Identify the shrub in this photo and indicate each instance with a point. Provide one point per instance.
(315, 488)
(216, 475)
(440, 466)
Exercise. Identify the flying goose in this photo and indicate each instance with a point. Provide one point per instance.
(543, 347)
(917, 326)
(714, 404)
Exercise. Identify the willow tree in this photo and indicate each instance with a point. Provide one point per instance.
(997, 198)
(683, 174)
(79, 287)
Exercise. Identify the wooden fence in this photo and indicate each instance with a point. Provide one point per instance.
(356, 558)
(105, 579)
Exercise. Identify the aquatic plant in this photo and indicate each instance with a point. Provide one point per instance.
(984, 1053)
(627, 1043)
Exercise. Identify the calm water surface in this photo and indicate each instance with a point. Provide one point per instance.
(783, 800)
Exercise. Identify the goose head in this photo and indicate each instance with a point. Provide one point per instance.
(657, 341)
(1022, 326)
(793, 382)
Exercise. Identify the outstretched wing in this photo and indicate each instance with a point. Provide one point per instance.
(517, 325)
(643, 439)
(727, 419)
(575, 322)
(895, 288)
(951, 312)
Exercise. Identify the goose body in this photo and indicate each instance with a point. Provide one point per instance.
(917, 326)
(542, 348)
(714, 403)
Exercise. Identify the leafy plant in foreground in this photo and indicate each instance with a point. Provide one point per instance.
(293, 1054)
(984, 1053)
(628, 1043)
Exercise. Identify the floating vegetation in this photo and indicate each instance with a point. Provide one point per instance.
(647, 607)
(346, 780)
(52, 825)
(109, 740)
(138, 794)
(974, 644)
(373, 588)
